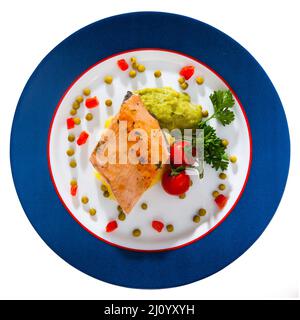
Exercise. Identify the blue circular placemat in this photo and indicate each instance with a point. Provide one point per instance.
(270, 138)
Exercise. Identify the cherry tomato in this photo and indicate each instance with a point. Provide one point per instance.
(157, 225)
(181, 154)
(70, 123)
(187, 72)
(221, 201)
(123, 65)
(91, 102)
(74, 190)
(82, 138)
(175, 184)
(111, 226)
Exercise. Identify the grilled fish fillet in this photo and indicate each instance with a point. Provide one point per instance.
(128, 181)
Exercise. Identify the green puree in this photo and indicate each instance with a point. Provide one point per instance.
(172, 109)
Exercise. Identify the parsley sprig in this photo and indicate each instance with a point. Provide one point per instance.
(214, 150)
(222, 101)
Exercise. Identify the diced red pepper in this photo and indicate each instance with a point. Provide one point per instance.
(123, 65)
(74, 190)
(92, 102)
(82, 138)
(157, 225)
(221, 201)
(70, 123)
(111, 226)
(187, 72)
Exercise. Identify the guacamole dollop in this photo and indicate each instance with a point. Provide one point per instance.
(172, 109)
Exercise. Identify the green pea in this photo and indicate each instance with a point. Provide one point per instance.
(141, 68)
(70, 152)
(202, 212)
(119, 208)
(184, 86)
(75, 105)
(106, 194)
(200, 80)
(73, 112)
(170, 228)
(132, 73)
(73, 182)
(73, 164)
(77, 121)
(233, 159)
(204, 113)
(144, 206)
(182, 196)
(87, 91)
(103, 187)
(181, 80)
(122, 216)
(84, 199)
(79, 99)
(92, 211)
(222, 186)
(89, 117)
(225, 142)
(222, 175)
(196, 219)
(108, 102)
(157, 74)
(136, 232)
(108, 79)
(215, 194)
(71, 137)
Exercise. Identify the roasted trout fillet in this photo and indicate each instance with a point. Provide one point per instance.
(129, 181)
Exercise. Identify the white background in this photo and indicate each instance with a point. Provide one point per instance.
(268, 29)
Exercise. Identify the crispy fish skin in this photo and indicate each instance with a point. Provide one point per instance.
(129, 181)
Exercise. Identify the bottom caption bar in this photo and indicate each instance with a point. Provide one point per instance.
(150, 309)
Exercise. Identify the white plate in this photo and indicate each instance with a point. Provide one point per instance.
(161, 206)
